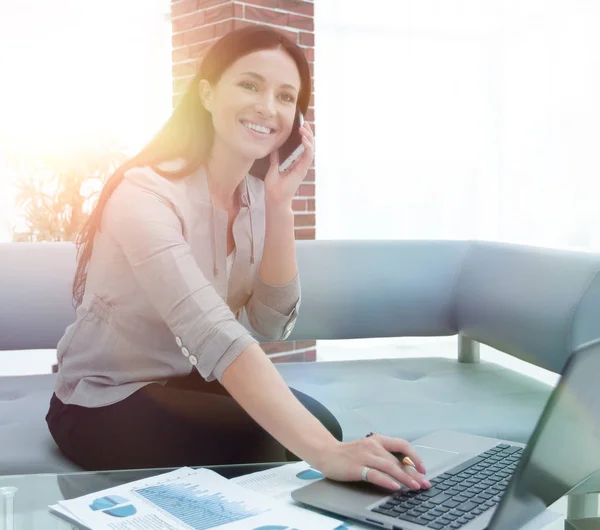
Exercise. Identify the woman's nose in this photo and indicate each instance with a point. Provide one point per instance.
(265, 106)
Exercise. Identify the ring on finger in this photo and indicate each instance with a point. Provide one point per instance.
(364, 472)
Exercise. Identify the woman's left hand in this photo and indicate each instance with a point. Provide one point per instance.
(280, 188)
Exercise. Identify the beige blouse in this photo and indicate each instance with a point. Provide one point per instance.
(158, 301)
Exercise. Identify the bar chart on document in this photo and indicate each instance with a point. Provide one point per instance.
(199, 508)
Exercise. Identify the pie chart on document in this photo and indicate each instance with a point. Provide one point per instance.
(310, 474)
(113, 505)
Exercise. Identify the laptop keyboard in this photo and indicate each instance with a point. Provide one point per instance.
(458, 495)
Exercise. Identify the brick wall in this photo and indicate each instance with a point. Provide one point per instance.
(196, 25)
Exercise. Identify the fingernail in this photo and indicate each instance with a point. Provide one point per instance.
(427, 484)
(415, 485)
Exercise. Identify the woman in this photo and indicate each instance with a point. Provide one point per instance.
(157, 371)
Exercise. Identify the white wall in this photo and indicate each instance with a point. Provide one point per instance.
(458, 119)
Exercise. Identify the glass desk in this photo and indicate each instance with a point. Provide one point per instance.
(34, 492)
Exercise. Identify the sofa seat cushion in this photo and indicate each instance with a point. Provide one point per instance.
(27, 446)
(407, 398)
(412, 397)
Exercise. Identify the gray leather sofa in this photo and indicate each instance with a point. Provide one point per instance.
(535, 304)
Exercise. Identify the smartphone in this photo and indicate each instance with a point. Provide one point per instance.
(289, 152)
(296, 138)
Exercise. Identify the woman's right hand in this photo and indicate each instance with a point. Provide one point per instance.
(280, 413)
(345, 461)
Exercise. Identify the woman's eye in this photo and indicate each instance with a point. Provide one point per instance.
(288, 98)
(248, 85)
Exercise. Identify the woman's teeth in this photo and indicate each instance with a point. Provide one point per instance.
(258, 128)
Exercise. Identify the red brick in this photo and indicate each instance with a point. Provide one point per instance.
(307, 39)
(197, 51)
(180, 54)
(206, 33)
(292, 357)
(310, 176)
(310, 356)
(310, 54)
(310, 114)
(304, 233)
(263, 3)
(301, 344)
(191, 21)
(237, 24)
(217, 14)
(177, 40)
(299, 205)
(306, 190)
(222, 28)
(297, 6)
(277, 347)
(267, 16)
(201, 34)
(304, 220)
(182, 7)
(310, 205)
(203, 4)
(291, 35)
(300, 22)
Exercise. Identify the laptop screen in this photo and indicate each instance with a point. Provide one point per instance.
(564, 449)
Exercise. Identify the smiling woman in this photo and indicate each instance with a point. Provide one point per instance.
(205, 129)
(253, 104)
(184, 242)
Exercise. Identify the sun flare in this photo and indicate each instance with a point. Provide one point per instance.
(77, 74)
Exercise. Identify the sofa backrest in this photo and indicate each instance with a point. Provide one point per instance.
(35, 294)
(536, 304)
(362, 289)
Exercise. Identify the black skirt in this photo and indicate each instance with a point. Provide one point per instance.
(187, 422)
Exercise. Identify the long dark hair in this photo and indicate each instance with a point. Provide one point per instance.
(188, 133)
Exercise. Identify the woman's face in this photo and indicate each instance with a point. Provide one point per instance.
(253, 104)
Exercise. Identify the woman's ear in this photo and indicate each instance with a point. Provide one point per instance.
(205, 93)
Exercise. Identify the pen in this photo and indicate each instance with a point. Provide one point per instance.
(404, 459)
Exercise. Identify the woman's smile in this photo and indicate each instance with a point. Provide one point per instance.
(257, 130)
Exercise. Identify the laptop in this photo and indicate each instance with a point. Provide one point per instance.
(487, 483)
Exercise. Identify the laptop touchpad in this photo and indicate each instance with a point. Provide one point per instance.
(434, 458)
